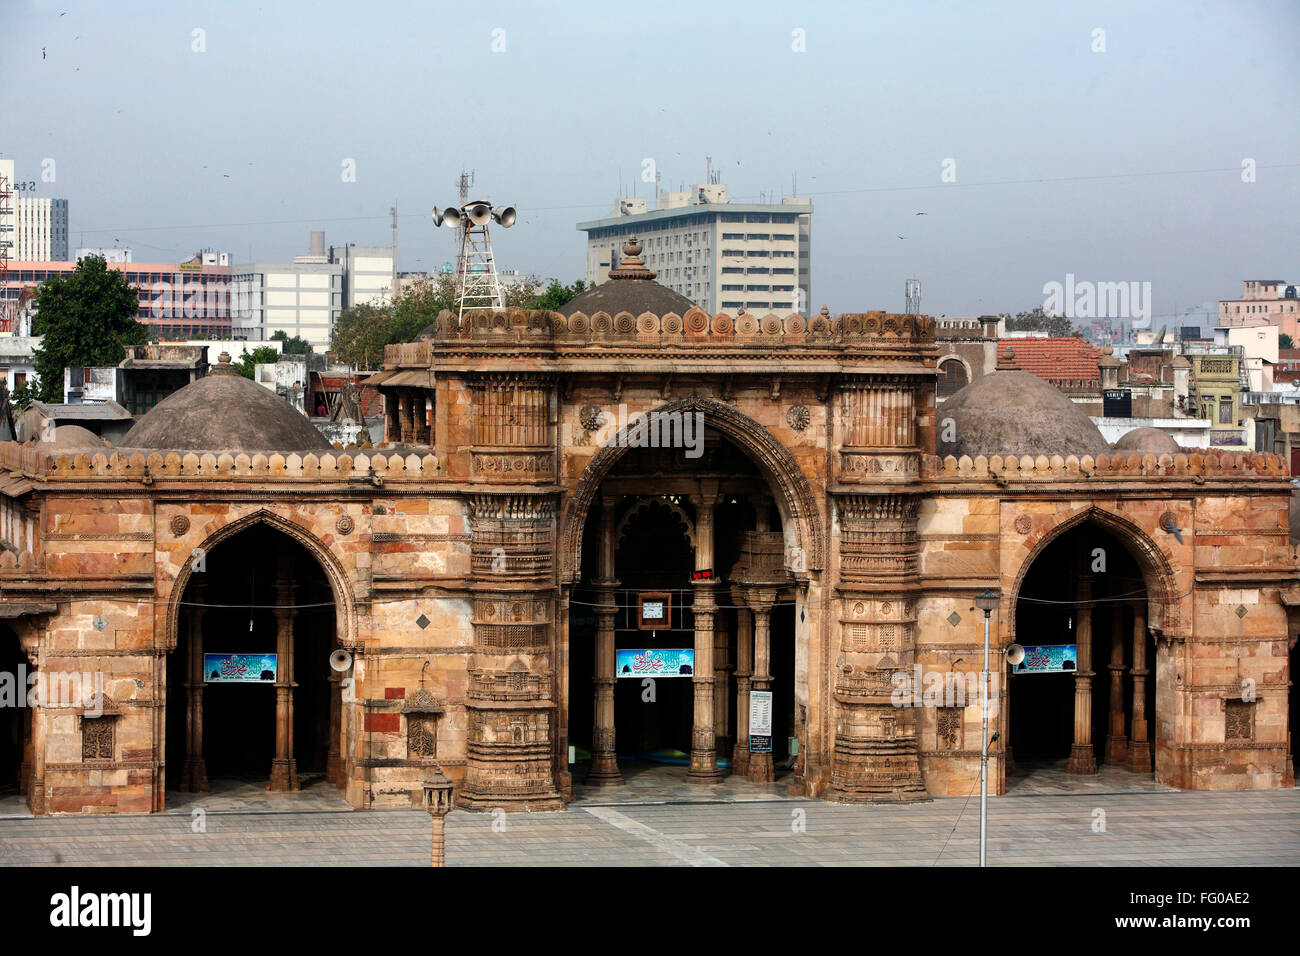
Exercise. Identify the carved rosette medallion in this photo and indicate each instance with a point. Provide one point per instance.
(799, 417)
(179, 525)
(345, 524)
(1024, 524)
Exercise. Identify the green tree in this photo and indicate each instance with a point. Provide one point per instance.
(87, 318)
(23, 396)
(556, 295)
(293, 345)
(262, 355)
(1284, 341)
(1039, 321)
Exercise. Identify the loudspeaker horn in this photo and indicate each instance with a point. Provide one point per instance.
(479, 213)
(1015, 654)
(451, 217)
(505, 216)
(437, 216)
(340, 660)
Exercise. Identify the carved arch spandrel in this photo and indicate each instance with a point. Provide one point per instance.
(1157, 573)
(344, 600)
(774, 461)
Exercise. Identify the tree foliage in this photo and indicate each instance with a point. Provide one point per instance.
(1284, 341)
(1039, 321)
(293, 345)
(262, 355)
(362, 331)
(556, 296)
(87, 318)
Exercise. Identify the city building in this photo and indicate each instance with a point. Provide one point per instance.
(40, 229)
(1264, 302)
(114, 254)
(762, 513)
(304, 298)
(725, 257)
(177, 300)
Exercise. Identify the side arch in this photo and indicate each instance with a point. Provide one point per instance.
(344, 608)
(1157, 572)
(799, 513)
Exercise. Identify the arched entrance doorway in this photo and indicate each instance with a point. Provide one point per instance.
(251, 696)
(1084, 698)
(15, 715)
(683, 577)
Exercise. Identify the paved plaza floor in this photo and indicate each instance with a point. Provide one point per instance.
(646, 824)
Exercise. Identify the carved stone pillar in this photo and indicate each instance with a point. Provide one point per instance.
(36, 788)
(604, 752)
(876, 754)
(760, 602)
(744, 672)
(1083, 759)
(1139, 754)
(334, 772)
(1117, 739)
(420, 415)
(721, 686)
(194, 772)
(510, 758)
(704, 754)
(284, 768)
(392, 418)
(405, 417)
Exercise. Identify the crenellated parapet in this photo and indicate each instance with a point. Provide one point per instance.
(1230, 465)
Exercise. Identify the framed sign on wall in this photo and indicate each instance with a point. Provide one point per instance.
(654, 610)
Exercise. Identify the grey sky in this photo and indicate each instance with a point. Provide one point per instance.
(170, 150)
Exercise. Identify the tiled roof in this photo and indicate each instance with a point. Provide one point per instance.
(1065, 359)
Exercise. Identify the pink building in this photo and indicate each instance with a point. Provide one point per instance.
(1264, 302)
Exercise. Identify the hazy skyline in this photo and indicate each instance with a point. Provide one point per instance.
(1122, 165)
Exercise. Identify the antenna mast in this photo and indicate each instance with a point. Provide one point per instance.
(912, 293)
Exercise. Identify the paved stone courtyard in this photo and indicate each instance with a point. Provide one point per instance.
(1143, 829)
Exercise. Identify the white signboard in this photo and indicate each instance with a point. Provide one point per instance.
(760, 713)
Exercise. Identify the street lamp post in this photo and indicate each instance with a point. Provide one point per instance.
(437, 800)
(986, 601)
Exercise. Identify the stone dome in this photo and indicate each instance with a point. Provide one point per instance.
(74, 437)
(631, 288)
(225, 412)
(1144, 440)
(1015, 413)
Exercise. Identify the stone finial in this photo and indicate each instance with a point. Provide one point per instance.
(1007, 359)
(631, 265)
(223, 366)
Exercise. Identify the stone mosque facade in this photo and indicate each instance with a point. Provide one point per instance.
(775, 494)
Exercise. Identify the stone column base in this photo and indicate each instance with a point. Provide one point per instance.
(876, 771)
(284, 775)
(760, 768)
(704, 767)
(740, 758)
(194, 775)
(1116, 751)
(1139, 757)
(604, 771)
(1083, 760)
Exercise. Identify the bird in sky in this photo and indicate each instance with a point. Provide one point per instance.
(902, 237)
(42, 53)
(923, 214)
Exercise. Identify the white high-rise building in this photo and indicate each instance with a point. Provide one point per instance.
(41, 229)
(723, 256)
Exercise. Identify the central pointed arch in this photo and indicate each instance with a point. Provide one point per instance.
(798, 509)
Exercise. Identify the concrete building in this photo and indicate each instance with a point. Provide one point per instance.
(108, 255)
(725, 257)
(177, 300)
(40, 229)
(1264, 302)
(305, 297)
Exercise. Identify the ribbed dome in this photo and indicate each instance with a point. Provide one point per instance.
(1146, 440)
(225, 412)
(1015, 413)
(631, 288)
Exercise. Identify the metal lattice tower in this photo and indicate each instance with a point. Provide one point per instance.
(477, 275)
(912, 294)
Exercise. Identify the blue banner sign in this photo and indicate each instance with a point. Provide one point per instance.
(239, 668)
(655, 662)
(1049, 659)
